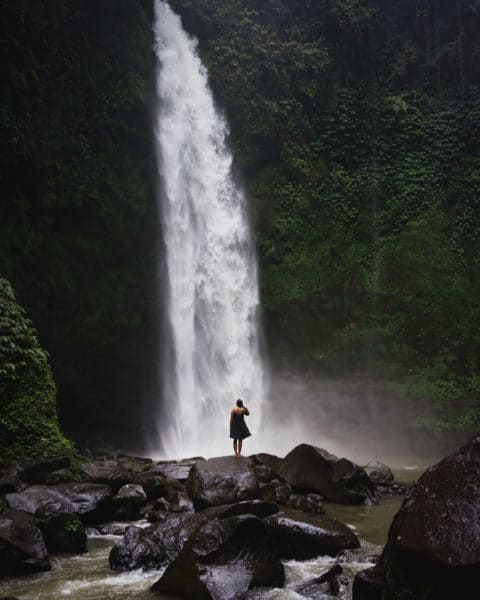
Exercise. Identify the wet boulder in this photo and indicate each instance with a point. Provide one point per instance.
(270, 461)
(128, 501)
(154, 485)
(65, 476)
(151, 547)
(264, 474)
(310, 469)
(92, 502)
(378, 472)
(222, 560)
(157, 545)
(302, 536)
(433, 548)
(11, 484)
(176, 470)
(22, 545)
(312, 503)
(65, 533)
(222, 480)
(275, 491)
(137, 549)
(38, 471)
(109, 471)
(328, 584)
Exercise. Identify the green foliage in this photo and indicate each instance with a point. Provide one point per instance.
(28, 419)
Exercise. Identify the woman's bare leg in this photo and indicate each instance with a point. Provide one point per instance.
(239, 448)
(235, 447)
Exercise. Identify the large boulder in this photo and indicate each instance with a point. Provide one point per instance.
(154, 485)
(65, 533)
(156, 546)
(222, 480)
(38, 471)
(92, 502)
(22, 546)
(310, 469)
(275, 491)
(176, 470)
(268, 460)
(378, 472)
(222, 560)
(128, 501)
(109, 471)
(433, 548)
(306, 535)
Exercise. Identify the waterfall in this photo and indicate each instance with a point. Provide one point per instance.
(210, 289)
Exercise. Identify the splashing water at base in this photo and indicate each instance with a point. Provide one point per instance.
(212, 292)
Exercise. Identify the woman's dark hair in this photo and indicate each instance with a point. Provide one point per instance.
(239, 403)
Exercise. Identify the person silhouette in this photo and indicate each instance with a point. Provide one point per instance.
(238, 428)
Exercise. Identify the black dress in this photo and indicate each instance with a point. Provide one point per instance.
(238, 428)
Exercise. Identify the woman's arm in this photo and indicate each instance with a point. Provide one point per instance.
(245, 411)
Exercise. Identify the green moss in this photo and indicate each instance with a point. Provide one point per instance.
(28, 420)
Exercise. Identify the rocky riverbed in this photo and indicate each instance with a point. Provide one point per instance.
(260, 527)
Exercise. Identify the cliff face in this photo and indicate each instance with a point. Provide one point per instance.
(356, 126)
(77, 217)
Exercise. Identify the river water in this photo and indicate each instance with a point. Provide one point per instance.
(88, 577)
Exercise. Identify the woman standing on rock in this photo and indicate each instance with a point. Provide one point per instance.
(238, 427)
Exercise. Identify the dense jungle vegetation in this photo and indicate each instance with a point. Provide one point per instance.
(356, 128)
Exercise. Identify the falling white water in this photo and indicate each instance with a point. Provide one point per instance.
(212, 291)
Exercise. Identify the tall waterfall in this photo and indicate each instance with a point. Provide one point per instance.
(212, 292)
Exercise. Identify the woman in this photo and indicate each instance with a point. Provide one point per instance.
(238, 427)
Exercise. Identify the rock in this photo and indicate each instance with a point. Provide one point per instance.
(37, 471)
(223, 480)
(368, 585)
(307, 536)
(312, 503)
(22, 546)
(176, 470)
(92, 502)
(268, 460)
(110, 472)
(159, 544)
(433, 548)
(222, 560)
(11, 484)
(264, 474)
(150, 547)
(275, 491)
(250, 507)
(155, 510)
(128, 501)
(153, 484)
(65, 533)
(137, 549)
(181, 502)
(326, 584)
(378, 472)
(310, 469)
(65, 476)
(117, 529)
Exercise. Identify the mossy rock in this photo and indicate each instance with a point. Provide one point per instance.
(28, 420)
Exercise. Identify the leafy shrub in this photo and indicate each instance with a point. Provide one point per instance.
(28, 417)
